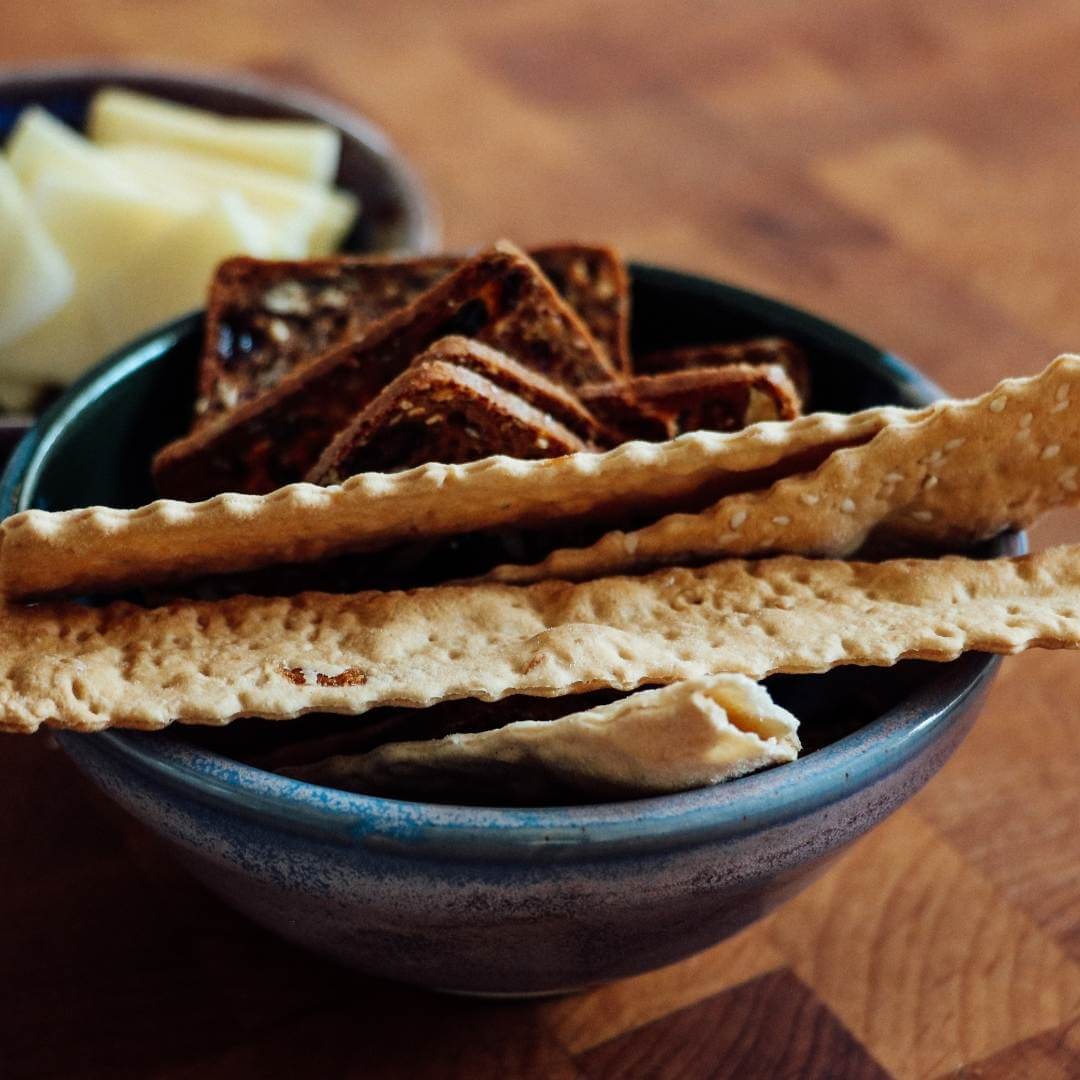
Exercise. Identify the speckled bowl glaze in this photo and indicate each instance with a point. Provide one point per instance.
(511, 901)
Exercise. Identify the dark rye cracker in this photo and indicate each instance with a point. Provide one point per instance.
(549, 397)
(765, 350)
(499, 297)
(265, 317)
(704, 399)
(438, 411)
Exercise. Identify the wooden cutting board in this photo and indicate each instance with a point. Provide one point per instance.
(908, 169)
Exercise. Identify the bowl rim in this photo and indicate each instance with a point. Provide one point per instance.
(726, 811)
(422, 225)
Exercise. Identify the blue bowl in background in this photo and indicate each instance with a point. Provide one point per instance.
(511, 901)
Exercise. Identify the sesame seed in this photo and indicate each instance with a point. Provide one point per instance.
(542, 443)
(954, 444)
(930, 482)
(848, 506)
(1061, 406)
(1025, 420)
(809, 498)
(922, 515)
(737, 518)
(279, 330)
(630, 543)
(781, 519)
(893, 478)
(997, 405)
(936, 458)
(1051, 451)
(1062, 392)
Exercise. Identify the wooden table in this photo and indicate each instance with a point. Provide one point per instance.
(909, 169)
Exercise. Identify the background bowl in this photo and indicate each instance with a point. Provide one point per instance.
(511, 901)
(396, 214)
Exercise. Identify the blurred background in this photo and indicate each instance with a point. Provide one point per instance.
(907, 169)
(901, 167)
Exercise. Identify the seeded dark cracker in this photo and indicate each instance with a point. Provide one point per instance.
(550, 398)
(437, 411)
(595, 284)
(265, 317)
(499, 297)
(703, 399)
(767, 350)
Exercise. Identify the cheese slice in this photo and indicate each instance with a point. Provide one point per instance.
(35, 278)
(305, 151)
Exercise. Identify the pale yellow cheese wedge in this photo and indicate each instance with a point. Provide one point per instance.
(40, 143)
(305, 218)
(35, 278)
(99, 226)
(57, 351)
(306, 151)
(170, 276)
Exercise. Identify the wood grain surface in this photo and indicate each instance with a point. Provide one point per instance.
(906, 168)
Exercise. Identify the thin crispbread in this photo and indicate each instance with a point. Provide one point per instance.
(949, 476)
(766, 350)
(100, 548)
(691, 734)
(441, 411)
(500, 297)
(209, 662)
(266, 317)
(725, 398)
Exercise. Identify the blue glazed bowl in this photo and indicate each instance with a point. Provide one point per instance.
(511, 901)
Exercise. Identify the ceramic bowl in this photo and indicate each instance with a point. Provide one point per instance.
(396, 214)
(511, 901)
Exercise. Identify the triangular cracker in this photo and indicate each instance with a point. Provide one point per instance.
(500, 297)
(266, 317)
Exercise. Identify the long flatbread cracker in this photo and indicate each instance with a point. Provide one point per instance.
(99, 548)
(691, 734)
(210, 662)
(955, 474)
